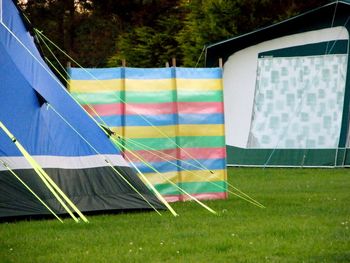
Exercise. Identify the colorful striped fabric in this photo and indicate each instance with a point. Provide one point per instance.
(172, 117)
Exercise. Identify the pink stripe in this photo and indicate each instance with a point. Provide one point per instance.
(202, 153)
(200, 107)
(207, 196)
(105, 109)
(156, 157)
(156, 108)
(202, 196)
(150, 109)
(183, 154)
(172, 198)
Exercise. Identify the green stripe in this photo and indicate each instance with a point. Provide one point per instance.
(150, 97)
(287, 157)
(154, 143)
(105, 97)
(183, 141)
(167, 189)
(316, 49)
(200, 96)
(201, 141)
(108, 97)
(192, 187)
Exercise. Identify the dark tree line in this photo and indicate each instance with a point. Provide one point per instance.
(148, 33)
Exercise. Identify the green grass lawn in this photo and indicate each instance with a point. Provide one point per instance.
(306, 219)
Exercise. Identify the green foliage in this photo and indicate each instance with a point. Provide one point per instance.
(306, 219)
(147, 46)
(94, 40)
(211, 21)
(207, 21)
(147, 33)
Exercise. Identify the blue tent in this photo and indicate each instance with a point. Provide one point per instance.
(57, 133)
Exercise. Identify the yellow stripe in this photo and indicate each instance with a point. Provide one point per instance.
(148, 84)
(146, 132)
(187, 176)
(95, 85)
(199, 84)
(201, 130)
(144, 85)
(170, 131)
(118, 131)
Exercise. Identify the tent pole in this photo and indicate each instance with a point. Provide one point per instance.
(336, 157)
(220, 63)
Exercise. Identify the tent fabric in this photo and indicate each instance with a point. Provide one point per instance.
(39, 112)
(294, 79)
(177, 112)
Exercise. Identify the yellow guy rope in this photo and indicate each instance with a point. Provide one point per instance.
(152, 151)
(244, 197)
(51, 185)
(137, 191)
(90, 107)
(65, 71)
(30, 190)
(160, 197)
(155, 170)
(65, 197)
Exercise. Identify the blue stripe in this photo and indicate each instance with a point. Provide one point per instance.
(163, 119)
(112, 120)
(97, 73)
(211, 164)
(199, 73)
(148, 73)
(144, 73)
(214, 118)
(150, 120)
(163, 167)
(136, 120)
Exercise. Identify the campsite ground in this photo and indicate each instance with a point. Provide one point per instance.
(306, 219)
